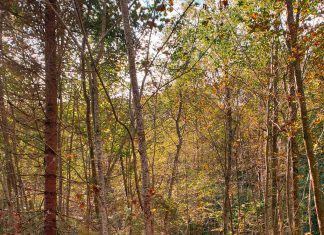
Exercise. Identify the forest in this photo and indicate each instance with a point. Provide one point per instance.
(193, 117)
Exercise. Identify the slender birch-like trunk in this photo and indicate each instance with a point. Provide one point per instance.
(146, 184)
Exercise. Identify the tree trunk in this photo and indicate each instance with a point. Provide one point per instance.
(89, 129)
(266, 160)
(292, 156)
(50, 119)
(228, 159)
(308, 139)
(69, 161)
(275, 131)
(146, 184)
(98, 145)
(175, 161)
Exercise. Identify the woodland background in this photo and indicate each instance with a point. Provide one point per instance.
(165, 117)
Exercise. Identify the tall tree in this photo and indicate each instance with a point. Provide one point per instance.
(146, 182)
(50, 131)
(293, 26)
(292, 143)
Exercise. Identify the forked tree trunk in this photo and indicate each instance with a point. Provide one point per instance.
(146, 184)
(50, 119)
(307, 135)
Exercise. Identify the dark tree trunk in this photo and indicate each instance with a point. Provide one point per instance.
(50, 119)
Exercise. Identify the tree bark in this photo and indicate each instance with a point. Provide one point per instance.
(146, 184)
(50, 119)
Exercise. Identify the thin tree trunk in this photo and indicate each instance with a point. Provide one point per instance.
(308, 142)
(50, 119)
(308, 139)
(275, 131)
(98, 144)
(175, 161)
(89, 132)
(228, 159)
(267, 173)
(309, 207)
(292, 157)
(59, 151)
(292, 143)
(146, 184)
(69, 161)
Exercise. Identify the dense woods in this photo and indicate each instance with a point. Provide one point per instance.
(161, 117)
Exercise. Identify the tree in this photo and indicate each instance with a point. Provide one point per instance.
(50, 131)
(293, 24)
(146, 184)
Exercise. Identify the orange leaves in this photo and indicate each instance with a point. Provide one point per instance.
(81, 205)
(70, 156)
(160, 7)
(152, 191)
(79, 200)
(163, 7)
(254, 15)
(319, 119)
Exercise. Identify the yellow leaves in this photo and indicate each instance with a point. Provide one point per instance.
(153, 210)
(294, 50)
(171, 2)
(206, 166)
(291, 59)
